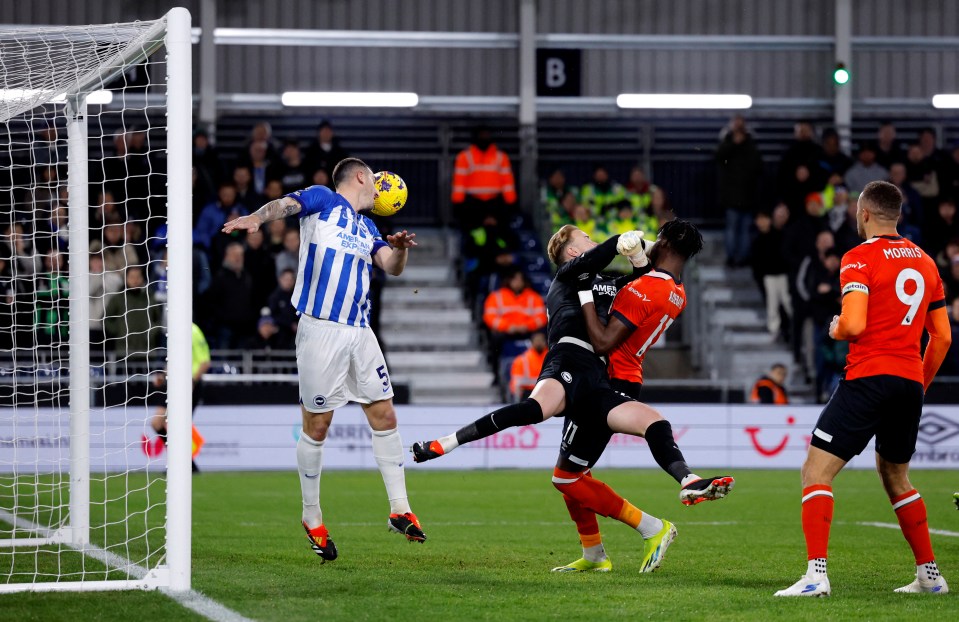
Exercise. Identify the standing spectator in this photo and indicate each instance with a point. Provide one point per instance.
(770, 268)
(261, 267)
(206, 161)
(245, 194)
(912, 212)
(487, 250)
(662, 208)
(888, 151)
(118, 255)
(602, 192)
(826, 302)
(770, 389)
(483, 182)
(289, 257)
(847, 233)
(53, 301)
(263, 132)
(799, 168)
(740, 169)
(132, 321)
(923, 176)
(103, 285)
(231, 297)
(553, 197)
(275, 234)
(262, 168)
(834, 162)
(281, 307)
(526, 367)
(513, 311)
(944, 227)
(213, 216)
(804, 327)
(325, 152)
(865, 170)
(292, 171)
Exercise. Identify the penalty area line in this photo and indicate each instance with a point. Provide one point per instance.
(938, 532)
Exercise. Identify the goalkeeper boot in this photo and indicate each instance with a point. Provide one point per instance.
(815, 586)
(426, 450)
(935, 585)
(706, 489)
(654, 549)
(321, 542)
(584, 565)
(408, 525)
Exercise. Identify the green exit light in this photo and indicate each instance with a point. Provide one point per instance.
(841, 74)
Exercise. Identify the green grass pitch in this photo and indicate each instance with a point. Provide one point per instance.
(493, 537)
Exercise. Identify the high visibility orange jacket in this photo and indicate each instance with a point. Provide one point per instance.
(525, 370)
(765, 391)
(504, 309)
(483, 175)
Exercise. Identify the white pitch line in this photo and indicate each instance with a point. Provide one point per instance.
(192, 600)
(938, 532)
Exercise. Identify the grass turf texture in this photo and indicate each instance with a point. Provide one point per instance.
(493, 537)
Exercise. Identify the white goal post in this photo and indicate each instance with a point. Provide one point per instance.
(77, 367)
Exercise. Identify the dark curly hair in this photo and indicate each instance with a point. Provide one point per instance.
(682, 237)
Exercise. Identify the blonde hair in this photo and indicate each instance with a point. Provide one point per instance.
(558, 243)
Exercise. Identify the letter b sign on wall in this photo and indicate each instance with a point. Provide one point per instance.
(557, 73)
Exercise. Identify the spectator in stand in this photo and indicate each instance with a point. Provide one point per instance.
(847, 233)
(243, 183)
(261, 267)
(740, 172)
(865, 170)
(513, 311)
(268, 334)
(483, 182)
(526, 368)
(944, 227)
(201, 196)
(52, 300)
(26, 261)
(321, 177)
(602, 192)
(888, 151)
(950, 366)
(553, 196)
(912, 212)
(826, 302)
(662, 208)
(104, 208)
(944, 260)
(263, 132)
(585, 220)
(289, 257)
(103, 284)
(281, 309)
(292, 168)
(206, 161)
(325, 152)
(133, 321)
(8, 292)
(834, 162)
(930, 152)
(799, 168)
(118, 255)
(950, 168)
(923, 176)
(231, 295)
(261, 166)
(213, 216)
(770, 268)
(639, 191)
(770, 388)
(806, 281)
(951, 279)
(275, 233)
(488, 249)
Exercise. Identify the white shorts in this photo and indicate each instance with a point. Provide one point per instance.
(339, 364)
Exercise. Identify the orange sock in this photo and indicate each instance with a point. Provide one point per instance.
(589, 492)
(630, 514)
(586, 524)
(817, 508)
(911, 512)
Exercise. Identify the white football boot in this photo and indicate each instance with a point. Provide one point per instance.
(816, 586)
(925, 586)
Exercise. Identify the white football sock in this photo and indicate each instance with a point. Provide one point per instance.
(928, 571)
(649, 525)
(448, 443)
(388, 452)
(595, 553)
(816, 567)
(309, 463)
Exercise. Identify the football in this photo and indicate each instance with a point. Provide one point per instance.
(392, 193)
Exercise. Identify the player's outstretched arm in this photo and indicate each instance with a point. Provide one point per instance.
(274, 210)
(940, 338)
(392, 259)
(603, 338)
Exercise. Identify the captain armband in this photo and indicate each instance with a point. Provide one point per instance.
(855, 287)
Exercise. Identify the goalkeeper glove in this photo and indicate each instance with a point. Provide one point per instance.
(632, 246)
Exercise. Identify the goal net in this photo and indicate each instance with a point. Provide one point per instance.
(95, 305)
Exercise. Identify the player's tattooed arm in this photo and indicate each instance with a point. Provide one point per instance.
(274, 210)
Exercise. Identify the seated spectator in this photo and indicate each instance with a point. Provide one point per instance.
(289, 257)
(601, 192)
(105, 208)
(245, 194)
(268, 334)
(770, 268)
(325, 152)
(770, 389)
(488, 249)
(117, 254)
(231, 302)
(261, 266)
(911, 201)
(639, 191)
(922, 174)
(865, 170)
(662, 209)
(513, 311)
(945, 258)
(553, 195)
(585, 220)
(275, 232)
(262, 167)
(281, 307)
(526, 368)
(213, 216)
(833, 160)
(291, 171)
(133, 320)
(888, 151)
(943, 226)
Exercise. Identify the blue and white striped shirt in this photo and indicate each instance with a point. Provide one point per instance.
(336, 258)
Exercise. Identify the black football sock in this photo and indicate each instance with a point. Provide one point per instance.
(527, 412)
(659, 437)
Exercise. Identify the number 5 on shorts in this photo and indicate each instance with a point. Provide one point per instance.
(384, 376)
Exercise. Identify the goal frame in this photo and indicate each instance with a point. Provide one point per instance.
(173, 32)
